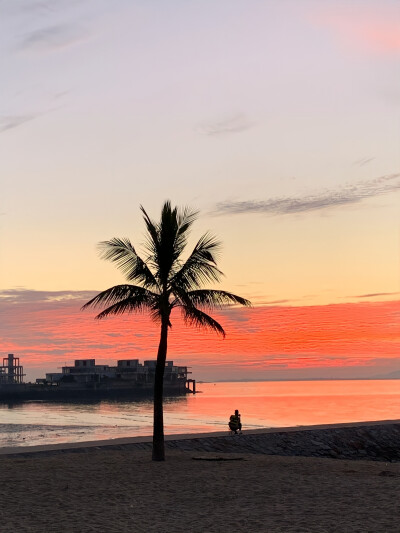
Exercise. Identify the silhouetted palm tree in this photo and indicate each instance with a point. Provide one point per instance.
(163, 281)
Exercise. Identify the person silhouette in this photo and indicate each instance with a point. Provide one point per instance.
(235, 423)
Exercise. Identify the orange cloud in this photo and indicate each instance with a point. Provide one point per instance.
(48, 333)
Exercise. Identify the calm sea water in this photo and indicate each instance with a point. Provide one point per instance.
(261, 404)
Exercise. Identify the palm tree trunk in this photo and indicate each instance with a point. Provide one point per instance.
(158, 426)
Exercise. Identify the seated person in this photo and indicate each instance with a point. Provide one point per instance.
(235, 423)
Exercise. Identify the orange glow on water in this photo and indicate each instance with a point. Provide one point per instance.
(273, 404)
(261, 404)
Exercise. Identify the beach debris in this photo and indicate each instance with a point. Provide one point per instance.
(216, 458)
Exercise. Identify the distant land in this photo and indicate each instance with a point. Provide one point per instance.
(392, 375)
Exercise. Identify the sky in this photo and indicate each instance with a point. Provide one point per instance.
(277, 120)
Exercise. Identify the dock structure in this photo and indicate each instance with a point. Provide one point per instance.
(126, 372)
(11, 372)
(128, 377)
(193, 383)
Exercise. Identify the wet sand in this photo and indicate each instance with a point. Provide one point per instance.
(122, 490)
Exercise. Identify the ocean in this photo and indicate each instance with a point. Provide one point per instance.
(261, 404)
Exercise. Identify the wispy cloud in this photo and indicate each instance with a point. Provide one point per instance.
(48, 5)
(39, 6)
(11, 122)
(21, 295)
(376, 294)
(363, 161)
(346, 195)
(225, 126)
(52, 37)
(277, 302)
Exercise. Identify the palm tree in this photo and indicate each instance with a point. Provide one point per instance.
(163, 281)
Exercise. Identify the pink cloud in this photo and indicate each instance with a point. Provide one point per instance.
(362, 28)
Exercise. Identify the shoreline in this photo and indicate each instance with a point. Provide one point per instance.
(345, 440)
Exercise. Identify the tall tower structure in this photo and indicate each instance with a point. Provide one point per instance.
(10, 368)
(11, 371)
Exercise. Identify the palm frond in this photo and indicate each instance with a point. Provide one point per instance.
(194, 317)
(153, 240)
(184, 218)
(162, 280)
(122, 298)
(215, 299)
(122, 252)
(167, 239)
(200, 267)
(168, 229)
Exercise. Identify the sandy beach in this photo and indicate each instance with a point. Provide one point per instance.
(118, 491)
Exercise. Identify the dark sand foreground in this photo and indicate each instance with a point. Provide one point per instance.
(117, 491)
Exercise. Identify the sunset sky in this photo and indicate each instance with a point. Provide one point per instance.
(278, 120)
